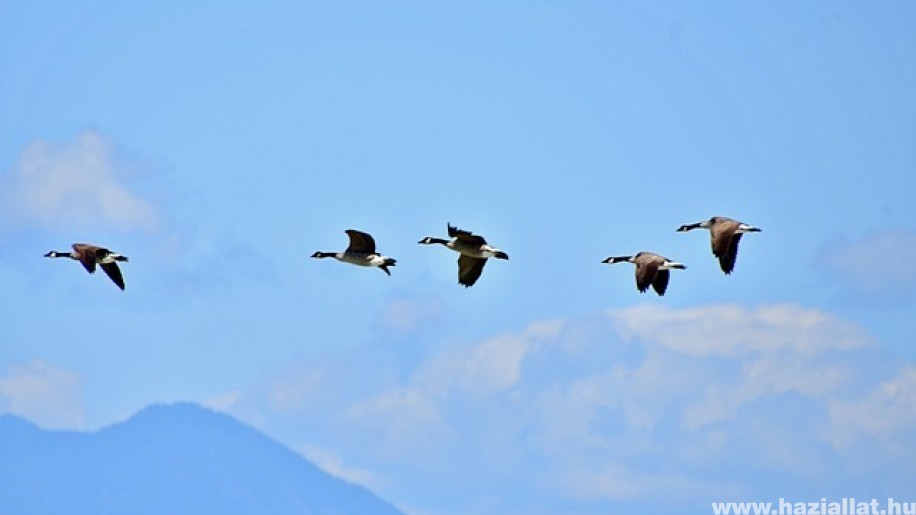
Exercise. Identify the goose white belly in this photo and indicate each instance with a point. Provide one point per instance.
(483, 252)
(360, 259)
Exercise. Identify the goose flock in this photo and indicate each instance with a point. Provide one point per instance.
(652, 270)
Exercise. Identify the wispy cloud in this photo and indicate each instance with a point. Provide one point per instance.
(333, 464)
(407, 314)
(608, 409)
(47, 395)
(735, 330)
(875, 264)
(489, 367)
(887, 413)
(78, 184)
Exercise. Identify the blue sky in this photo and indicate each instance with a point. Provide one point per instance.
(218, 147)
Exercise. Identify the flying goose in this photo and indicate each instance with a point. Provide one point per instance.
(361, 251)
(474, 252)
(91, 255)
(651, 269)
(724, 234)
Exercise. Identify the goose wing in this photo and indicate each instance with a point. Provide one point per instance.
(469, 269)
(466, 236)
(114, 273)
(728, 258)
(646, 271)
(660, 283)
(720, 234)
(360, 242)
(86, 254)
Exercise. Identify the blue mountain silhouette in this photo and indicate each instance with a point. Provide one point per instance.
(177, 459)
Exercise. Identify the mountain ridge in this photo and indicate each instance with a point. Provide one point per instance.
(177, 458)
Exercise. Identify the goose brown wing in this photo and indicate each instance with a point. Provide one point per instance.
(727, 260)
(660, 283)
(114, 273)
(645, 274)
(86, 254)
(721, 235)
(360, 242)
(469, 269)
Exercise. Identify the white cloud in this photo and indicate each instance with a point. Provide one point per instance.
(49, 396)
(735, 331)
(78, 184)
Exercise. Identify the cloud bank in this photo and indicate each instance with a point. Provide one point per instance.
(603, 413)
